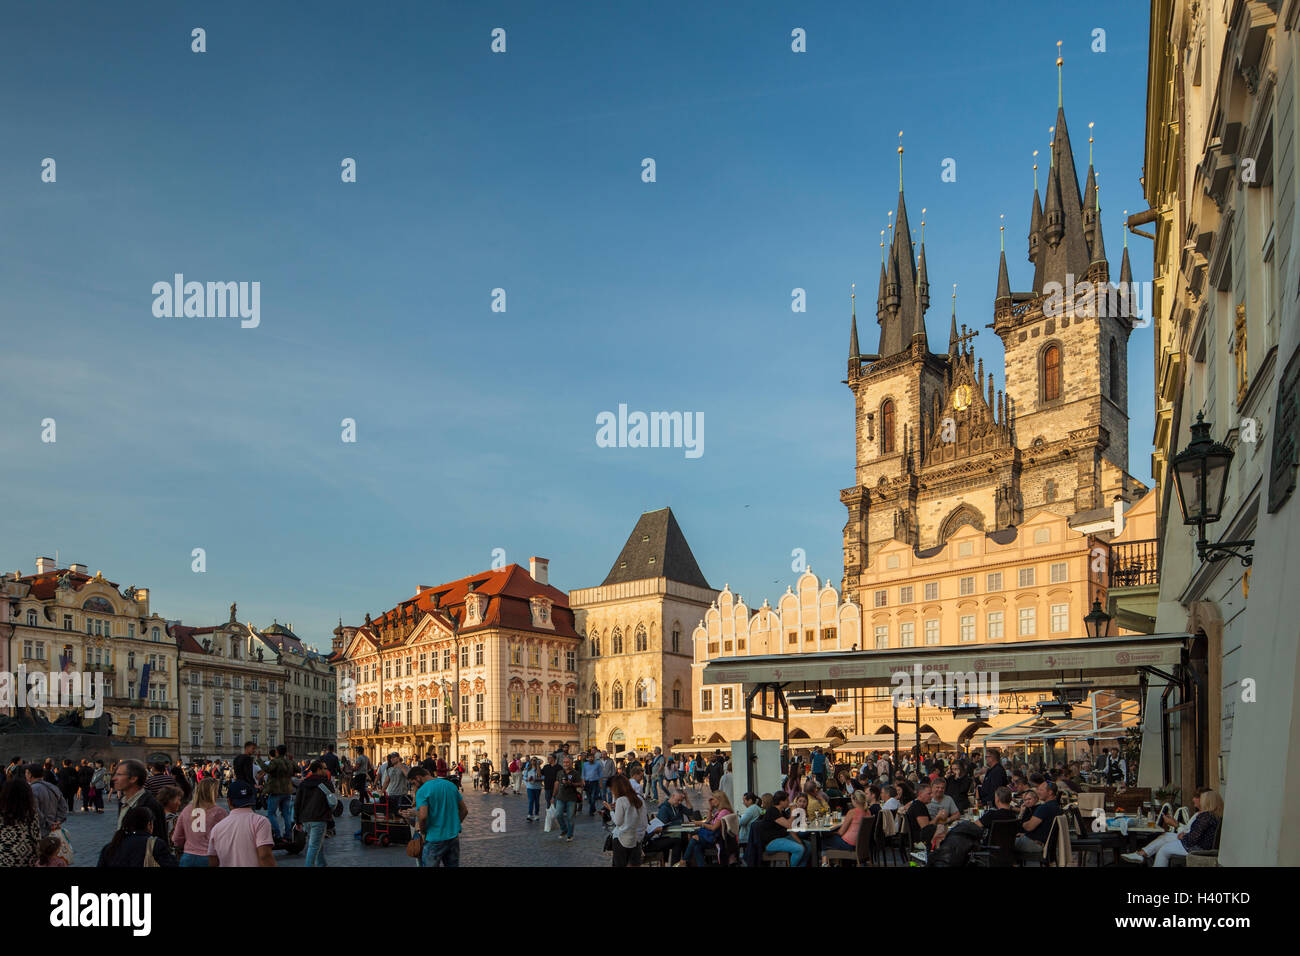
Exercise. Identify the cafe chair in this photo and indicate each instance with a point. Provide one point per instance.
(1000, 849)
(860, 855)
(1083, 840)
(776, 858)
(1062, 845)
(1183, 816)
(1087, 802)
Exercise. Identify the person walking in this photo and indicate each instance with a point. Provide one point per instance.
(313, 808)
(98, 785)
(51, 808)
(134, 845)
(195, 823)
(440, 809)
(279, 792)
(85, 774)
(568, 797)
(549, 774)
(591, 782)
(533, 786)
(630, 818)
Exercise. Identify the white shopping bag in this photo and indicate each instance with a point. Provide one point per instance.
(550, 818)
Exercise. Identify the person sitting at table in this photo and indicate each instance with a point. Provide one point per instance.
(873, 799)
(917, 813)
(844, 782)
(893, 803)
(961, 785)
(794, 782)
(1019, 787)
(1198, 833)
(817, 802)
(752, 811)
(673, 812)
(1027, 802)
(850, 829)
(942, 807)
(1001, 809)
(771, 834)
(1029, 843)
(709, 834)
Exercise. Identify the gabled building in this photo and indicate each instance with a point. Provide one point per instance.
(636, 654)
(484, 666)
(308, 685)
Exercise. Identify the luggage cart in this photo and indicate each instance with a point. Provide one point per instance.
(381, 823)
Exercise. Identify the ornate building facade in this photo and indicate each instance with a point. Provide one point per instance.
(635, 660)
(231, 691)
(482, 666)
(938, 447)
(63, 618)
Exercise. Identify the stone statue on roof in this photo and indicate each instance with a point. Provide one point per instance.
(232, 613)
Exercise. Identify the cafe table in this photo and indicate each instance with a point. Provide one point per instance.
(816, 830)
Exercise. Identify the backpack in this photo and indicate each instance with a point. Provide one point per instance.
(331, 797)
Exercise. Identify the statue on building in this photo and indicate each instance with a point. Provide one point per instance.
(232, 613)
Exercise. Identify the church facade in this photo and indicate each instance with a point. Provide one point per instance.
(940, 448)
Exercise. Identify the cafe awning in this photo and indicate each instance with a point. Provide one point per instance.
(1109, 721)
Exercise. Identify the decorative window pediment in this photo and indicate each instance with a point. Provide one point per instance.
(475, 609)
(541, 607)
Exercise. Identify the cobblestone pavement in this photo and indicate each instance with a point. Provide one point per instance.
(521, 844)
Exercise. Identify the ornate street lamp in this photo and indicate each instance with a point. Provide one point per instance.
(1201, 479)
(1097, 621)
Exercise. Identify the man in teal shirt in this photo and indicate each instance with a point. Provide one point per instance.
(439, 810)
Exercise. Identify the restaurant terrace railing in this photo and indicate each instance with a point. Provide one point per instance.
(1134, 563)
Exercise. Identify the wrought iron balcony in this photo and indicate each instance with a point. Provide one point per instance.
(1134, 564)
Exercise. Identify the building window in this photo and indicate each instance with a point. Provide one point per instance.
(1051, 373)
(706, 699)
(932, 632)
(464, 709)
(1114, 371)
(216, 736)
(677, 696)
(967, 627)
(388, 670)
(677, 640)
(464, 655)
(907, 634)
(993, 582)
(808, 634)
(905, 594)
(555, 658)
(595, 697)
(887, 427)
(410, 706)
(932, 591)
(595, 645)
(1028, 622)
(424, 663)
(130, 630)
(1060, 618)
(571, 710)
(478, 707)
(882, 637)
(478, 654)
(194, 707)
(1026, 577)
(195, 741)
(828, 634)
(967, 586)
(618, 641)
(882, 599)
(616, 696)
(792, 637)
(570, 661)
(446, 658)
(640, 694)
(726, 698)
(408, 672)
(237, 707)
(1060, 572)
(642, 641)
(995, 629)
(67, 622)
(516, 706)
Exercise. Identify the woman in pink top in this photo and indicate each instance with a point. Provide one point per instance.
(846, 837)
(711, 833)
(195, 822)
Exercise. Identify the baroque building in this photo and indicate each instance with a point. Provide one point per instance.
(635, 660)
(1221, 179)
(938, 447)
(485, 666)
(230, 691)
(65, 619)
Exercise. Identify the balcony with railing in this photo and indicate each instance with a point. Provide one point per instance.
(1133, 579)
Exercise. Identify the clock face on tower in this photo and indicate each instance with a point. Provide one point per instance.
(961, 398)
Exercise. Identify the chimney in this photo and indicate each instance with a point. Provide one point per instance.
(45, 565)
(537, 568)
(77, 568)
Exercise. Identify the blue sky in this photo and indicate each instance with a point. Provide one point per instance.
(522, 171)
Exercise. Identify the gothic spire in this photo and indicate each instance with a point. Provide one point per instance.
(854, 353)
(1004, 282)
(953, 341)
(1035, 216)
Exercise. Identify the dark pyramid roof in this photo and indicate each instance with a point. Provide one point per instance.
(1090, 191)
(1098, 244)
(922, 298)
(1004, 282)
(1070, 255)
(1035, 220)
(896, 329)
(853, 339)
(656, 536)
(1125, 270)
(952, 332)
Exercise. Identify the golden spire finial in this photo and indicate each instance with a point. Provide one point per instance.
(1059, 62)
(922, 225)
(954, 298)
(900, 160)
(1125, 228)
(1035, 170)
(890, 214)
(882, 247)
(1051, 145)
(1090, 126)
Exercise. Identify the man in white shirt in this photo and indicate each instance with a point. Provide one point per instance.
(892, 803)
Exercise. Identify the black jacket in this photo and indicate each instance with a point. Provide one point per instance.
(132, 850)
(150, 803)
(310, 804)
(994, 777)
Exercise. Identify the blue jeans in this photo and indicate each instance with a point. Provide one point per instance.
(280, 804)
(564, 813)
(315, 843)
(193, 859)
(594, 793)
(534, 801)
(654, 787)
(697, 851)
(787, 845)
(441, 853)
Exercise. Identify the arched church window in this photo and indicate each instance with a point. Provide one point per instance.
(887, 427)
(1051, 373)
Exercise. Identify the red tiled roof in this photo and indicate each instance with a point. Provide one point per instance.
(508, 591)
(184, 635)
(44, 585)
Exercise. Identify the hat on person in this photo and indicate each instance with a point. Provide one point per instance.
(240, 793)
(394, 754)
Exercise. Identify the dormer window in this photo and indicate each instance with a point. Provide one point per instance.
(542, 612)
(475, 609)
